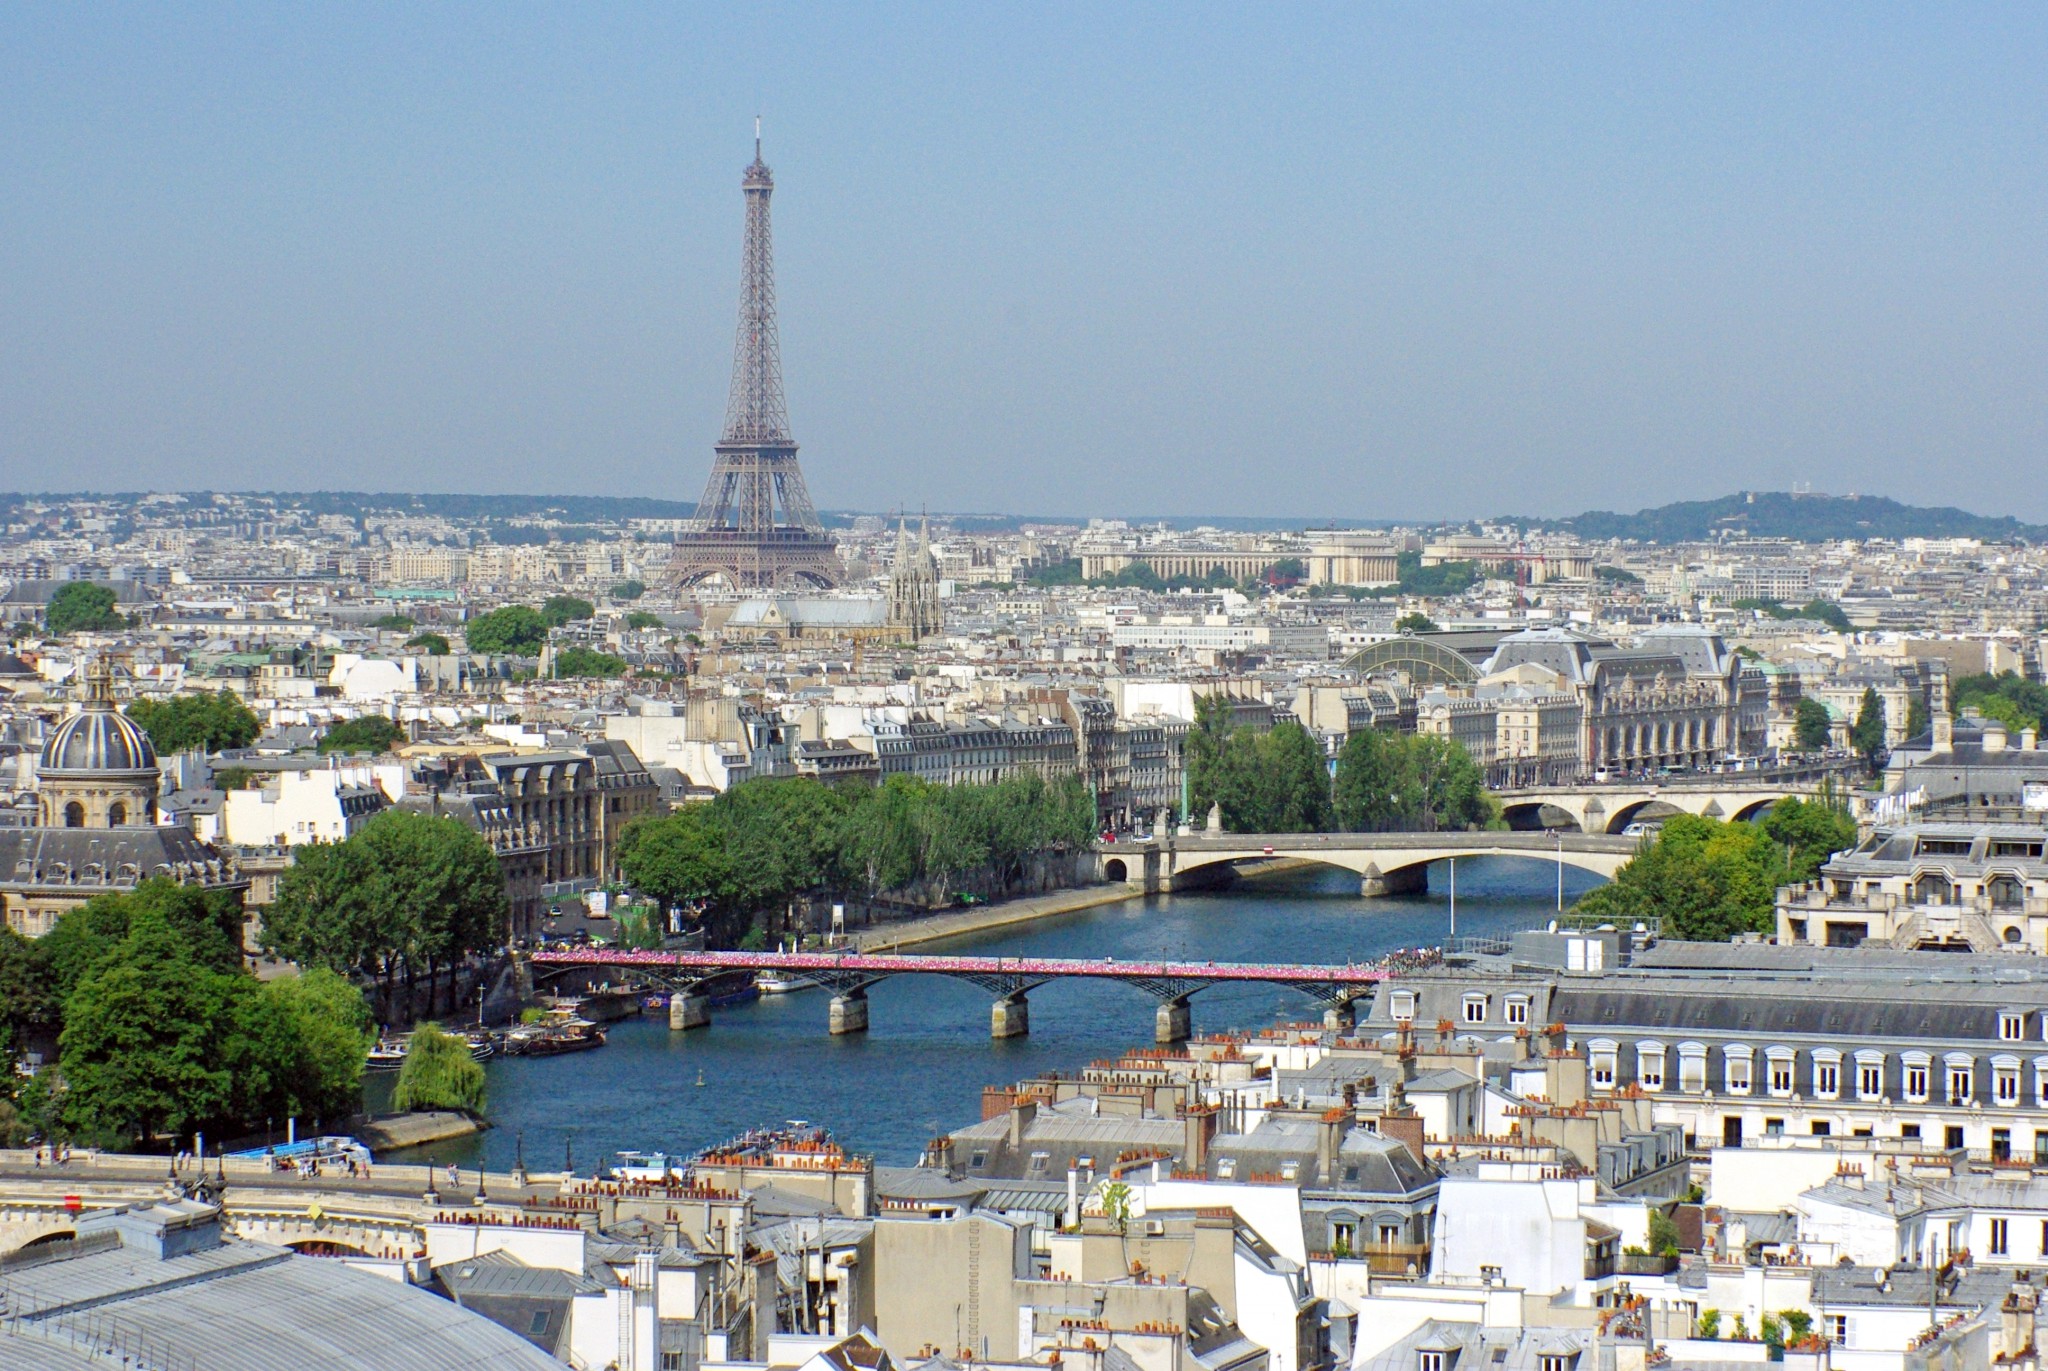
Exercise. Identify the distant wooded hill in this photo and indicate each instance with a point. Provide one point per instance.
(1782, 514)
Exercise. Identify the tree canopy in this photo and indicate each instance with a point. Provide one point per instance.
(433, 644)
(1272, 782)
(2013, 700)
(640, 618)
(744, 855)
(438, 1073)
(1812, 725)
(1415, 621)
(1867, 734)
(209, 721)
(1408, 782)
(82, 607)
(513, 631)
(557, 610)
(405, 889)
(164, 1032)
(628, 591)
(584, 661)
(367, 733)
(1708, 881)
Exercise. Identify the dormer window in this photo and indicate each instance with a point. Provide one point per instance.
(2012, 1026)
(1431, 1361)
(1517, 1009)
(1475, 1009)
(1402, 1006)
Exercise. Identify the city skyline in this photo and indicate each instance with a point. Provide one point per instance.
(1504, 261)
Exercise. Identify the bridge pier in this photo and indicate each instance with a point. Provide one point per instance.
(849, 1013)
(1174, 1023)
(688, 1009)
(1010, 1017)
(1408, 880)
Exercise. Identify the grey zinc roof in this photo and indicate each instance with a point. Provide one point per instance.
(252, 1307)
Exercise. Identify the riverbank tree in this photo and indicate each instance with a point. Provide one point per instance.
(738, 860)
(1409, 782)
(438, 1073)
(407, 892)
(1707, 880)
(161, 1029)
(1275, 781)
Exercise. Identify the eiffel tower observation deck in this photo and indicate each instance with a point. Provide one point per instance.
(755, 527)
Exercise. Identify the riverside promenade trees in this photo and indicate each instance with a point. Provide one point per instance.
(746, 854)
(406, 892)
(1279, 781)
(161, 1030)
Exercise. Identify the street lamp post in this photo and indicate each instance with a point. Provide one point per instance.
(1558, 835)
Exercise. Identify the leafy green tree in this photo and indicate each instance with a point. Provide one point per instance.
(209, 721)
(513, 631)
(1810, 832)
(433, 644)
(209, 922)
(1276, 782)
(1812, 725)
(395, 623)
(1615, 575)
(572, 662)
(406, 890)
(317, 1031)
(1445, 578)
(28, 993)
(1371, 778)
(557, 610)
(2011, 699)
(1918, 724)
(82, 607)
(1866, 735)
(1415, 621)
(628, 591)
(366, 733)
(438, 1073)
(1405, 782)
(142, 1047)
(1294, 775)
(1708, 880)
(640, 619)
(1663, 1234)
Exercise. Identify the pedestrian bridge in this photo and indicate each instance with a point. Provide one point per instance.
(1386, 863)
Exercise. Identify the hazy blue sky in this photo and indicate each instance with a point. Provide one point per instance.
(1364, 260)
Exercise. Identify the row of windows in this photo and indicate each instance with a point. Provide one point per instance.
(1828, 1076)
(1475, 1006)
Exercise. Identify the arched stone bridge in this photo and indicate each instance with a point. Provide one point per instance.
(42, 1204)
(1612, 807)
(1386, 863)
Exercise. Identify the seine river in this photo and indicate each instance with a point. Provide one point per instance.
(920, 1068)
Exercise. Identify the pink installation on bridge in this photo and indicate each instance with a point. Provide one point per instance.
(881, 964)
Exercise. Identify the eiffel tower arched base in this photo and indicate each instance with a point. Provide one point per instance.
(787, 559)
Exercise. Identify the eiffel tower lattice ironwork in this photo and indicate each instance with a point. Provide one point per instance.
(755, 526)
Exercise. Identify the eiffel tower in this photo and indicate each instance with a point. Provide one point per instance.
(755, 526)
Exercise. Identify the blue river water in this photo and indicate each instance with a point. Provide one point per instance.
(920, 1068)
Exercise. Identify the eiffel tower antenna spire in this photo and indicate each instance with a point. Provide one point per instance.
(755, 526)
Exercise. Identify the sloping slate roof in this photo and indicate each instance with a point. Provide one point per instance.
(1884, 1012)
(33, 855)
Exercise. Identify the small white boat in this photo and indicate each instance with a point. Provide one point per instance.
(781, 983)
(655, 1168)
